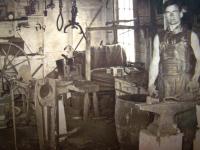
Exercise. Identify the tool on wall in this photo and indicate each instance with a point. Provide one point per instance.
(6, 13)
(30, 9)
(22, 24)
(92, 21)
(45, 6)
(73, 23)
(51, 5)
(60, 17)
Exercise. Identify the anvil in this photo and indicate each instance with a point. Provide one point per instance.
(163, 123)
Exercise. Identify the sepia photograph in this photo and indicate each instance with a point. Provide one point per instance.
(99, 75)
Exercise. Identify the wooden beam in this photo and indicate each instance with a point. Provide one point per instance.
(115, 17)
(110, 28)
(88, 56)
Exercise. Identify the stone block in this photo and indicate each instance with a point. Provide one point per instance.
(148, 141)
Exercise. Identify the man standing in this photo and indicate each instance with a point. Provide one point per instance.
(176, 57)
(176, 65)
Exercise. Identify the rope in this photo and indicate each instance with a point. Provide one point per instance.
(60, 17)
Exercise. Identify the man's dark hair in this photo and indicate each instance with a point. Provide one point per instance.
(171, 2)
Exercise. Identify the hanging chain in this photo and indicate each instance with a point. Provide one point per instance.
(74, 11)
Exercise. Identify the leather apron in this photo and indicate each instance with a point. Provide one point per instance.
(176, 68)
(177, 63)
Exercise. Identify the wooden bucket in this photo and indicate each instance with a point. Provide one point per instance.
(129, 120)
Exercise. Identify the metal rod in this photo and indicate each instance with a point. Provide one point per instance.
(97, 13)
(36, 70)
(24, 42)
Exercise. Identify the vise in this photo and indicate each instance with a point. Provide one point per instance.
(165, 111)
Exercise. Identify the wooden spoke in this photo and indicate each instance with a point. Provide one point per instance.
(10, 62)
(17, 64)
(12, 58)
(4, 58)
(6, 54)
(8, 49)
(4, 81)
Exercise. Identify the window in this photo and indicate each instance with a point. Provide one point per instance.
(126, 36)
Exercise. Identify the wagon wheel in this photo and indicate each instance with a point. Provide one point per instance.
(12, 57)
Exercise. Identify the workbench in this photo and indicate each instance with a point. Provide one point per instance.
(125, 85)
(48, 94)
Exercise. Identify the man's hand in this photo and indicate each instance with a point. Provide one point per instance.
(152, 91)
(193, 86)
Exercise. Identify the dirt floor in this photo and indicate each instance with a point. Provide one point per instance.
(92, 135)
(26, 139)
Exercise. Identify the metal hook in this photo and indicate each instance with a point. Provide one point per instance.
(73, 22)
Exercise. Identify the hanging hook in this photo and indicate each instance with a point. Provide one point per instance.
(73, 22)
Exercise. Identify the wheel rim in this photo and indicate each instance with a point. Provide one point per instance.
(12, 57)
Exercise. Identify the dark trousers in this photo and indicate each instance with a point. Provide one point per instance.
(187, 123)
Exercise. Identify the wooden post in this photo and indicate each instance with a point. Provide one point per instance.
(13, 117)
(95, 104)
(88, 56)
(46, 115)
(115, 17)
(39, 117)
(86, 106)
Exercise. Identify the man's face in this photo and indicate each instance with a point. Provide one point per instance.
(173, 15)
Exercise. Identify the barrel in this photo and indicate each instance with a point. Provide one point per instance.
(129, 120)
